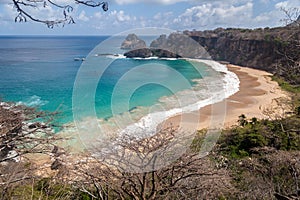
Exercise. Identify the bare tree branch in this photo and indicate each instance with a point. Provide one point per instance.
(186, 176)
(292, 16)
(66, 18)
(23, 136)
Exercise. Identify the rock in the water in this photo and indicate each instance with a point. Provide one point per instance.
(139, 53)
(133, 42)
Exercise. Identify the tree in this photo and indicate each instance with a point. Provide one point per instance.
(22, 8)
(23, 137)
(292, 16)
(242, 120)
(129, 171)
(288, 50)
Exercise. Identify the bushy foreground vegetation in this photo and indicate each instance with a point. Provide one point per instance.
(264, 157)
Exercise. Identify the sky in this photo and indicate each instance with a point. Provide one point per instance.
(124, 15)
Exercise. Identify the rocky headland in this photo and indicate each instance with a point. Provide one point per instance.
(258, 48)
(275, 50)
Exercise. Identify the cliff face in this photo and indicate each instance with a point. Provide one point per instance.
(260, 48)
(180, 45)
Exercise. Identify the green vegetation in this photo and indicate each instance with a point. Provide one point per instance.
(244, 140)
(262, 156)
(286, 86)
(198, 140)
(293, 90)
(46, 188)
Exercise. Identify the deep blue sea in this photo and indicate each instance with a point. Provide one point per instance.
(42, 72)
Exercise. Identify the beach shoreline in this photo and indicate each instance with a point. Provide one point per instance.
(258, 97)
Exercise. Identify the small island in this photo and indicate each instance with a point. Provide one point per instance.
(132, 41)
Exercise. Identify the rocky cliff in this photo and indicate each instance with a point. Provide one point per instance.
(132, 41)
(180, 44)
(276, 50)
(260, 48)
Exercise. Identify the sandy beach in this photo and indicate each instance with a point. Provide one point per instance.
(258, 97)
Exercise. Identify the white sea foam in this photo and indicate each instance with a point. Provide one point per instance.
(229, 85)
(116, 56)
(121, 56)
(168, 58)
(34, 101)
(148, 58)
(110, 55)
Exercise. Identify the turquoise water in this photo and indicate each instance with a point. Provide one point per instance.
(41, 71)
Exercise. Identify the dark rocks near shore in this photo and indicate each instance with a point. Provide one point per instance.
(148, 52)
(140, 53)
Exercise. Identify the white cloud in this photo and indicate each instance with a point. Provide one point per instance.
(113, 20)
(207, 14)
(275, 17)
(121, 16)
(288, 4)
(82, 17)
(165, 2)
(163, 16)
(212, 14)
(281, 4)
(98, 15)
(169, 2)
(196, 14)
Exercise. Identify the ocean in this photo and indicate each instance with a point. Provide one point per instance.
(47, 72)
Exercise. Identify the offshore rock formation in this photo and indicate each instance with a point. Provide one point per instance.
(175, 46)
(133, 42)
